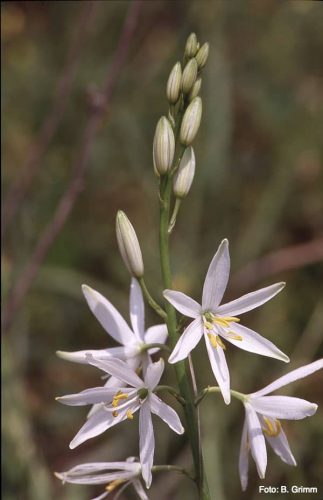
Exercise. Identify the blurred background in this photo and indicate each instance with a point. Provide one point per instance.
(83, 87)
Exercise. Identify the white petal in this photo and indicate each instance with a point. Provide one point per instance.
(244, 457)
(166, 413)
(156, 335)
(108, 316)
(280, 445)
(183, 303)
(111, 382)
(253, 342)
(118, 369)
(216, 278)
(256, 440)
(95, 425)
(90, 396)
(137, 310)
(118, 352)
(94, 473)
(283, 407)
(153, 373)
(139, 489)
(297, 374)
(146, 443)
(250, 300)
(188, 340)
(220, 369)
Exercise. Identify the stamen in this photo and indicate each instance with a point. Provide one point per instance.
(118, 397)
(270, 430)
(129, 415)
(234, 336)
(113, 485)
(225, 320)
(114, 413)
(213, 339)
(221, 344)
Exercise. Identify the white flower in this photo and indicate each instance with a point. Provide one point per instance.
(112, 474)
(120, 405)
(132, 341)
(262, 418)
(216, 321)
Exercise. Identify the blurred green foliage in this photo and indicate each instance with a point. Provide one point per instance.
(258, 182)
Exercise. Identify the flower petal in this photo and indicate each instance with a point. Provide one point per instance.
(297, 374)
(156, 335)
(137, 310)
(153, 373)
(91, 396)
(250, 300)
(96, 473)
(111, 382)
(217, 277)
(283, 407)
(220, 368)
(108, 316)
(253, 342)
(256, 440)
(188, 340)
(123, 352)
(166, 413)
(139, 489)
(118, 369)
(146, 443)
(280, 445)
(244, 457)
(183, 303)
(95, 425)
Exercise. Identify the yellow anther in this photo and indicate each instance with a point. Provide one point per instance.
(115, 413)
(129, 415)
(212, 339)
(225, 320)
(208, 325)
(117, 398)
(113, 485)
(219, 341)
(272, 428)
(234, 336)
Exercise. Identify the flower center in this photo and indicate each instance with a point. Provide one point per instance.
(114, 484)
(272, 427)
(210, 320)
(142, 393)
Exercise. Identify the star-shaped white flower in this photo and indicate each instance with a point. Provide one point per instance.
(121, 404)
(112, 474)
(262, 418)
(219, 322)
(132, 341)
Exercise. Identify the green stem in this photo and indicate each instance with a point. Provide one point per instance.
(153, 304)
(214, 389)
(167, 468)
(180, 368)
(172, 391)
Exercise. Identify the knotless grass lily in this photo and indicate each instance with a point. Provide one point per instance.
(133, 341)
(114, 475)
(220, 322)
(121, 404)
(262, 422)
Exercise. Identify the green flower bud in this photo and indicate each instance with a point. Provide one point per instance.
(185, 174)
(129, 245)
(189, 75)
(191, 46)
(202, 55)
(163, 147)
(195, 90)
(191, 122)
(174, 84)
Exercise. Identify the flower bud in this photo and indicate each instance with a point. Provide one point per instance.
(191, 46)
(195, 90)
(163, 147)
(185, 174)
(174, 84)
(189, 75)
(129, 245)
(191, 122)
(202, 55)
